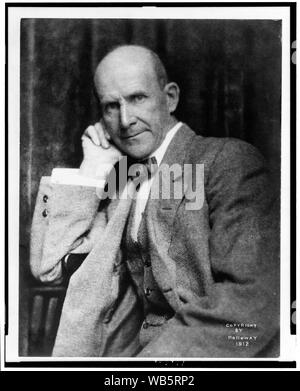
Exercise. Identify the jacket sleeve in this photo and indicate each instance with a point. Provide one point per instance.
(66, 219)
(243, 300)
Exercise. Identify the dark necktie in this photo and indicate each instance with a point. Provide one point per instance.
(143, 170)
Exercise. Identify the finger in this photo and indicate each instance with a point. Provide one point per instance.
(92, 133)
(103, 140)
(86, 140)
(107, 135)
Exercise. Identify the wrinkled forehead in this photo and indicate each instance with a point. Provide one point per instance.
(122, 76)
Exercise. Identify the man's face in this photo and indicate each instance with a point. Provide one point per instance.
(135, 108)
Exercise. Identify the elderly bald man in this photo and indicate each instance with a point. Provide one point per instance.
(152, 276)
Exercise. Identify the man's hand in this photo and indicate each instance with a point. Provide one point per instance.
(99, 155)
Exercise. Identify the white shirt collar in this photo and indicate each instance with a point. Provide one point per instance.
(161, 150)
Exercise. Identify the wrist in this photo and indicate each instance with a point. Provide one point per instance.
(93, 169)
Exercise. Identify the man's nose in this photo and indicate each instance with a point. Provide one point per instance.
(126, 116)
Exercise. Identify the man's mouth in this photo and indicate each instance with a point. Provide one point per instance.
(129, 136)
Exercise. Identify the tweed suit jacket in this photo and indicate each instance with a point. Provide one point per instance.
(217, 266)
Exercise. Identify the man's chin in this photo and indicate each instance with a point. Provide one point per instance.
(137, 155)
(136, 152)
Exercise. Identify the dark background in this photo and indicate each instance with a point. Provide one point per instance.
(229, 73)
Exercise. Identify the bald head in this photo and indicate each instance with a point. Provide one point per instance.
(135, 55)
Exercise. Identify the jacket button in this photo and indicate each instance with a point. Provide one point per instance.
(107, 319)
(148, 291)
(109, 315)
(45, 213)
(45, 198)
(145, 325)
(147, 263)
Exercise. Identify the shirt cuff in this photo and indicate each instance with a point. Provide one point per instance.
(71, 176)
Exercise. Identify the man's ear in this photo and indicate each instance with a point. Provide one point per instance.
(172, 94)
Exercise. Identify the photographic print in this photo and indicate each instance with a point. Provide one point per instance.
(152, 171)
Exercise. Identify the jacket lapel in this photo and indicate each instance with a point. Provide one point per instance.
(161, 210)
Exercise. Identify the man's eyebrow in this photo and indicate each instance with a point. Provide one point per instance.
(134, 94)
(111, 99)
(108, 99)
(137, 92)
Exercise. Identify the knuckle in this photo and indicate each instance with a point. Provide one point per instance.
(88, 130)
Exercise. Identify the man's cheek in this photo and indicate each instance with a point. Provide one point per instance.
(148, 109)
(112, 126)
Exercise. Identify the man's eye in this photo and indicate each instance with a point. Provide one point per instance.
(112, 106)
(139, 98)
